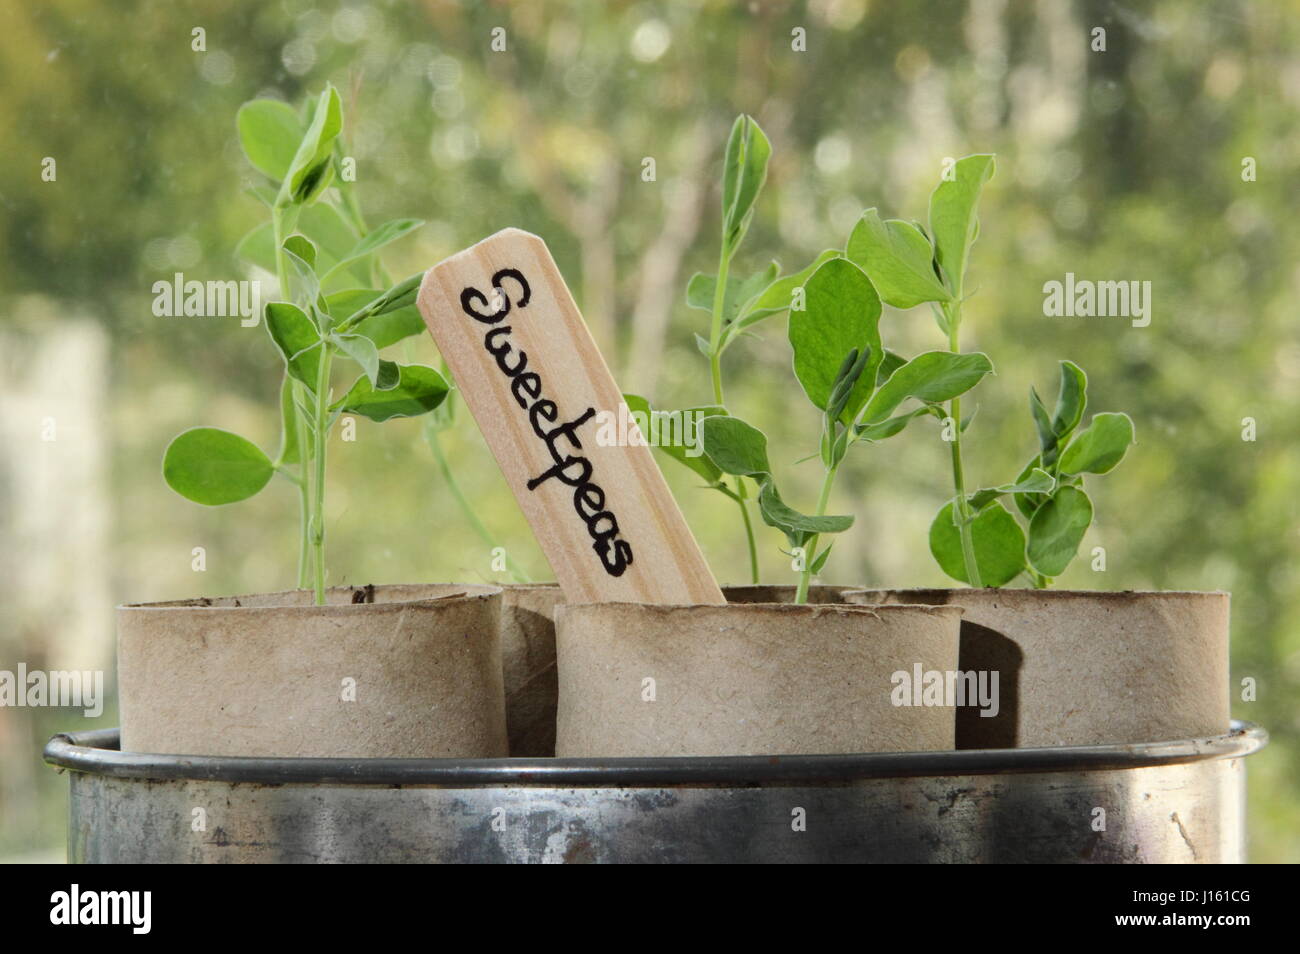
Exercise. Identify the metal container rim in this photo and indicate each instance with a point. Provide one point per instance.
(96, 753)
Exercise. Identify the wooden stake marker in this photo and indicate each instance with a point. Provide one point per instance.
(540, 391)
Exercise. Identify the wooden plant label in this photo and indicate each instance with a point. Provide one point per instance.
(539, 389)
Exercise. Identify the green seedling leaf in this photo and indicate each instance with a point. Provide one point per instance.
(401, 295)
(820, 562)
(744, 171)
(290, 449)
(677, 446)
(891, 426)
(999, 545)
(890, 363)
(385, 328)
(931, 377)
(736, 447)
(954, 224)
(701, 288)
(269, 132)
(699, 291)
(258, 247)
(1037, 481)
(390, 375)
(332, 236)
(1043, 424)
(297, 338)
(418, 390)
(851, 369)
(797, 527)
(311, 170)
(1070, 401)
(303, 249)
(741, 449)
(389, 328)
(1057, 529)
(363, 351)
(1028, 503)
(842, 314)
(301, 254)
(898, 258)
(1100, 447)
(778, 295)
(374, 240)
(212, 467)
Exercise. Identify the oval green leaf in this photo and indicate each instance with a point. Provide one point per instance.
(743, 173)
(269, 132)
(898, 258)
(213, 467)
(418, 390)
(677, 445)
(998, 541)
(931, 377)
(842, 312)
(1057, 529)
(1100, 447)
(310, 171)
(953, 220)
(374, 240)
(385, 328)
(1071, 400)
(736, 447)
(297, 338)
(363, 351)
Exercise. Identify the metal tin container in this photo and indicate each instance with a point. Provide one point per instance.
(1181, 801)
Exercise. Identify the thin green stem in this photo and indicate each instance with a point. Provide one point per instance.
(715, 375)
(749, 532)
(715, 328)
(278, 224)
(810, 549)
(431, 437)
(961, 505)
(304, 517)
(320, 428)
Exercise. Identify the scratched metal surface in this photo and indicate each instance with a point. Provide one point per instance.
(1180, 803)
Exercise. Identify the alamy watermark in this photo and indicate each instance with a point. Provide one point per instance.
(1084, 298)
(629, 428)
(57, 688)
(212, 299)
(933, 687)
(130, 908)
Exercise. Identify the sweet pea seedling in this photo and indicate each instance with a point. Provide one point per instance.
(1048, 493)
(856, 383)
(735, 304)
(974, 538)
(909, 267)
(319, 247)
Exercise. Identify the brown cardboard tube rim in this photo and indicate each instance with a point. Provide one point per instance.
(292, 600)
(1026, 591)
(807, 610)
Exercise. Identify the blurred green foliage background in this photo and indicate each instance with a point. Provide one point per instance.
(1123, 164)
